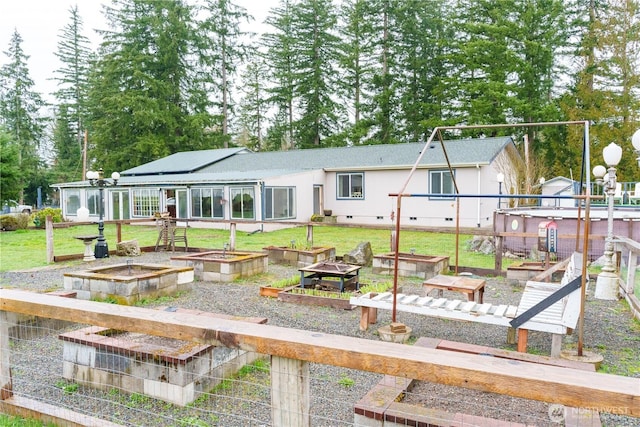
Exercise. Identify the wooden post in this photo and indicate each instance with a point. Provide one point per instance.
(499, 250)
(118, 232)
(290, 398)
(232, 237)
(310, 236)
(6, 387)
(48, 224)
(631, 271)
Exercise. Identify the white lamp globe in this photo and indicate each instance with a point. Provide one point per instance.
(500, 177)
(599, 171)
(115, 176)
(612, 154)
(635, 140)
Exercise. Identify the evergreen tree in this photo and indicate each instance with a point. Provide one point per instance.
(422, 66)
(604, 89)
(67, 165)
(383, 105)
(145, 98)
(253, 106)
(10, 172)
(19, 115)
(280, 59)
(226, 50)
(485, 59)
(357, 64)
(75, 54)
(315, 73)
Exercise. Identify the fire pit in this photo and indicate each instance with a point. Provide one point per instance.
(330, 275)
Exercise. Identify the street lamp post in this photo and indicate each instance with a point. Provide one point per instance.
(607, 282)
(500, 178)
(97, 179)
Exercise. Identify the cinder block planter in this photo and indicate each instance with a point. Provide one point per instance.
(224, 266)
(128, 283)
(166, 369)
(411, 265)
(300, 257)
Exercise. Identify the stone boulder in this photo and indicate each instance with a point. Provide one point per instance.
(128, 248)
(361, 255)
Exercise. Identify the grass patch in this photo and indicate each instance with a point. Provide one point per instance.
(27, 248)
(9, 421)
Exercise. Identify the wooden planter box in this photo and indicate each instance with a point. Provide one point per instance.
(271, 292)
(340, 303)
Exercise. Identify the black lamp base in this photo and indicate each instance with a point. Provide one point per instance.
(102, 250)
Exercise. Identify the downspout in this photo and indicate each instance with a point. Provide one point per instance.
(262, 205)
(478, 201)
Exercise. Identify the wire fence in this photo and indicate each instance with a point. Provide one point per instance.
(131, 378)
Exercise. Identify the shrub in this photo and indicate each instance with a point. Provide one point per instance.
(8, 222)
(23, 220)
(40, 217)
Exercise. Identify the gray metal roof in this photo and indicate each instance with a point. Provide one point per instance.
(241, 165)
(460, 152)
(183, 162)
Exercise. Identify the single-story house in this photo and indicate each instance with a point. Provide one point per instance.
(354, 183)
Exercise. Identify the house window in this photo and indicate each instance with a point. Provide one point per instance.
(71, 201)
(93, 202)
(441, 182)
(242, 203)
(350, 185)
(146, 202)
(280, 202)
(207, 202)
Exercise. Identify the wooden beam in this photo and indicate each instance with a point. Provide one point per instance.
(519, 379)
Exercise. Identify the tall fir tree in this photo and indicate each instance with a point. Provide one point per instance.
(253, 105)
(20, 107)
(315, 74)
(357, 65)
(280, 59)
(75, 54)
(146, 100)
(226, 50)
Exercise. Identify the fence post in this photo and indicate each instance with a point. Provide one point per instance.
(290, 400)
(232, 236)
(48, 224)
(310, 236)
(118, 232)
(6, 387)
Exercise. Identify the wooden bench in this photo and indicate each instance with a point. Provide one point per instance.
(465, 285)
(558, 318)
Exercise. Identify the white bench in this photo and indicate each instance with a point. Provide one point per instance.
(558, 319)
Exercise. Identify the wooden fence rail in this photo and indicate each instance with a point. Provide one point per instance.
(292, 350)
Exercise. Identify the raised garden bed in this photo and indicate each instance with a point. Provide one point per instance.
(322, 298)
(411, 265)
(224, 266)
(128, 283)
(299, 257)
(163, 368)
(526, 270)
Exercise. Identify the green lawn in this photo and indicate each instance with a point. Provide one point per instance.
(25, 249)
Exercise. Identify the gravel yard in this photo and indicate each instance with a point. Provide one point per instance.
(609, 330)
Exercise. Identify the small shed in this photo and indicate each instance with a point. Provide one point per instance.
(559, 186)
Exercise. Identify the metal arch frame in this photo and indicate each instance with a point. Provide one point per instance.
(584, 173)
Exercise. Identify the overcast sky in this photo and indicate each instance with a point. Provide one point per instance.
(40, 22)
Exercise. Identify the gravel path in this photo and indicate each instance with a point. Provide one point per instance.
(609, 331)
